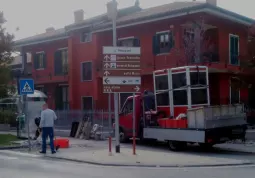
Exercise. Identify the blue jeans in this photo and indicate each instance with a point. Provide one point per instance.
(47, 132)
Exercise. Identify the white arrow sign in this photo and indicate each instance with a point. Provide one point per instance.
(106, 73)
(137, 88)
(107, 58)
(122, 80)
(107, 65)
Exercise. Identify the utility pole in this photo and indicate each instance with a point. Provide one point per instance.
(112, 14)
(25, 109)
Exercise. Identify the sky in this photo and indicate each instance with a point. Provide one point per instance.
(34, 16)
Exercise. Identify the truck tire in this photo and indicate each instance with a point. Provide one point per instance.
(123, 138)
(177, 145)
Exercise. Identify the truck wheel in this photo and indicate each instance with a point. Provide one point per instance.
(176, 145)
(123, 138)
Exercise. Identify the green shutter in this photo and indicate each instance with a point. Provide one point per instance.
(35, 61)
(172, 39)
(44, 61)
(232, 49)
(58, 63)
(155, 45)
(136, 42)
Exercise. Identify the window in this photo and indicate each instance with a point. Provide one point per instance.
(180, 97)
(129, 42)
(86, 37)
(61, 62)
(198, 88)
(163, 42)
(128, 107)
(162, 93)
(162, 98)
(189, 36)
(189, 43)
(233, 49)
(39, 60)
(234, 91)
(179, 84)
(198, 78)
(199, 96)
(123, 97)
(86, 71)
(87, 103)
(179, 80)
(161, 82)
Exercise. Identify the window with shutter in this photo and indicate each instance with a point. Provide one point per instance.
(163, 42)
(58, 63)
(129, 42)
(86, 71)
(40, 60)
(86, 37)
(61, 62)
(87, 103)
(233, 49)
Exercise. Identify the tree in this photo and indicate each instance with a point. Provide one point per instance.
(6, 49)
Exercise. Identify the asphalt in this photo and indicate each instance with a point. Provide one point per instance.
(17, 166)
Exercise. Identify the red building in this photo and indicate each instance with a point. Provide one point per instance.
(67, 63)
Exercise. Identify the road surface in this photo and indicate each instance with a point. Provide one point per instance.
(20, 166)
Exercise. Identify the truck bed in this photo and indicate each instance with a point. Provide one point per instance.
(214, 135)
(216, 116)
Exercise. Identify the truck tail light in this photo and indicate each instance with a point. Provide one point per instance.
(209, 140)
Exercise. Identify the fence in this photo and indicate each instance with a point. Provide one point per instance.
(100, 117)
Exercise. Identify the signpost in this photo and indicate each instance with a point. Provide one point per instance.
(122, 74)
(122, 69)
(26, 86)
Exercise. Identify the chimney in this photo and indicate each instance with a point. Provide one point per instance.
(212, 2)
(78, 16)
(50, 29)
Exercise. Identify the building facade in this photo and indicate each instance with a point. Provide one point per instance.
(67, 63)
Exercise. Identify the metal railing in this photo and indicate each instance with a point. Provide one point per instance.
(100, 117)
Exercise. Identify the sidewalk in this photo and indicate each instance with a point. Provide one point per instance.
(96, 152)
(248, 147)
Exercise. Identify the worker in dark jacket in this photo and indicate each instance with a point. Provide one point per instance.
(149, 101)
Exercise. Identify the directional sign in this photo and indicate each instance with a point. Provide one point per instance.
(122, 88)
(122, 65)
(122, 69)
(122, 80)
(122, 50)
(122, 73)
(26, 86)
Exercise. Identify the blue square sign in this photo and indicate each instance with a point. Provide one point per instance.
(26, 86)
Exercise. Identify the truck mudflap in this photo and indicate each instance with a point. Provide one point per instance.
(224, 134)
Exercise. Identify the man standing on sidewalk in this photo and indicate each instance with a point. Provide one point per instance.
(46, 124)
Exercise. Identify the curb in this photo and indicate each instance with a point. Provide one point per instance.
(148, 165)
(12, 147)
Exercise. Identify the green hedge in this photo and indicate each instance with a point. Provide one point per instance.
(7, 117)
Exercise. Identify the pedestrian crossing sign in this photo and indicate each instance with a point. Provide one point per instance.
(26, 86)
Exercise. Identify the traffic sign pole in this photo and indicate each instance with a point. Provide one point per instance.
(121, 69)
(134, 126)
(116, 101)
(27, 121)
(26, 86)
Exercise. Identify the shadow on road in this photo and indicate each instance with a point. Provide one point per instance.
(196, 150)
